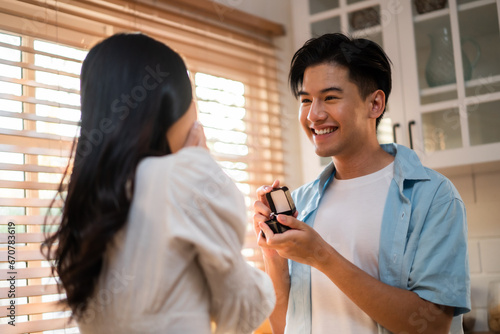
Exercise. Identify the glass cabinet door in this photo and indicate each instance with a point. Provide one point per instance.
(458, 68)
(480, 42)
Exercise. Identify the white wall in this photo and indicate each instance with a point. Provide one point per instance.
(479, 187)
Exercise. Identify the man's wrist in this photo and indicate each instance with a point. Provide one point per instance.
(324, 257)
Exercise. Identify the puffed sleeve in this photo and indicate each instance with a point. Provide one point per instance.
(211, 215)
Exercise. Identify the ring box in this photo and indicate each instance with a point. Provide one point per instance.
(281, 203)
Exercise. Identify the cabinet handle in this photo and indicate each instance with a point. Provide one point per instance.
(410, 123)
(396, 125)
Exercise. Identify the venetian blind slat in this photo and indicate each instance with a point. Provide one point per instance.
(29, 202)
(26, 220)
(32, 290)
(34, 308)
(37, 326)
(34, 117)
(26, 273)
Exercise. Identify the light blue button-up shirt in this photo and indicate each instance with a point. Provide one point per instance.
(423, 241)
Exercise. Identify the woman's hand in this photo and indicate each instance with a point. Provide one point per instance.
(196, 136)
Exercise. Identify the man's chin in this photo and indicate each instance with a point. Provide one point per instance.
(324, 154)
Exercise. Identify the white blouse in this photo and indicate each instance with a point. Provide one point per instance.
(177, 264)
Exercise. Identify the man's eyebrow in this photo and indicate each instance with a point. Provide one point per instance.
(329, 89)
(324, 90)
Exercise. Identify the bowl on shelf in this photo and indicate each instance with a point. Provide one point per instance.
(364, 18)
(426, 6)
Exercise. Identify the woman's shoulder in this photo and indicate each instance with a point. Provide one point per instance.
(191, 168)
(189, 158)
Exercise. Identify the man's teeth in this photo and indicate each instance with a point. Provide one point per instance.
(324, 131)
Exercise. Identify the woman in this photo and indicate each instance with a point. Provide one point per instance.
(152, 229)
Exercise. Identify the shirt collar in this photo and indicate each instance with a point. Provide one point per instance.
(407, 166)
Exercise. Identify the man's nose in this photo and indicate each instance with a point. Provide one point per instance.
(316, 112)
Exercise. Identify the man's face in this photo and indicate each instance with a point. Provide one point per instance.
(332, 113)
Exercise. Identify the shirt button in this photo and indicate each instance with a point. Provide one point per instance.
(304, 212)
(402, 215)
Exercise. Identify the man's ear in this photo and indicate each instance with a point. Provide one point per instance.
(376, 103)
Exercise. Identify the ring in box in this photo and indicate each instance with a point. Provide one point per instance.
(281, 203)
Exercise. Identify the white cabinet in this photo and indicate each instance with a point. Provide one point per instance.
(452, 82)
(446, 78)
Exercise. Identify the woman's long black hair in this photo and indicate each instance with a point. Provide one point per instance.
(133, 88)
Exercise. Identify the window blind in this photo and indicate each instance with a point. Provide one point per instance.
(42, 45)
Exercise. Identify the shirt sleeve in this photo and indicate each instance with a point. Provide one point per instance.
(212, 213)
(440, 271)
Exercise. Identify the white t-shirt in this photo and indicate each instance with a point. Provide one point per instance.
(349, 218)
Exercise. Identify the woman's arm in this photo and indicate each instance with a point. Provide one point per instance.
(210, 215)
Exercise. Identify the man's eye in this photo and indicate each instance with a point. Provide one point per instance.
(331, 98)
(305, 101)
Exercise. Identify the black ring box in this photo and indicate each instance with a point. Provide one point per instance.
(285, 205)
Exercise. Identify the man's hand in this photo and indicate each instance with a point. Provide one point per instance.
(262, 212)
(301, 243)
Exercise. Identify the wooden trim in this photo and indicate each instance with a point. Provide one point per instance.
(122, 18)
(228, 15)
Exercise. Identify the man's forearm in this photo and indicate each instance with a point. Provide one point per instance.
(396, 309)
(277, 269)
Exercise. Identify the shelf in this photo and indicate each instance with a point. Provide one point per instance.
(329, 13)
(475, 4)
(451, 87)
(438, 90)
(367, 31)
(446, 11)
(455, 103)
(431, 15)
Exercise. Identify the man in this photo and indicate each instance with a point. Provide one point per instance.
(380, 242)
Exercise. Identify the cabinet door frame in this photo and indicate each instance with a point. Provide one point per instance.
(414, 110)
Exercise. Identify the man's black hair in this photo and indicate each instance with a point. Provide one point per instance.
(368, 65)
